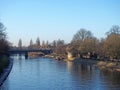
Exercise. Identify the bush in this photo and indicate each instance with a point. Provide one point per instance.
(3, 63)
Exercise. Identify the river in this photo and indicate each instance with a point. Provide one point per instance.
(49, 74)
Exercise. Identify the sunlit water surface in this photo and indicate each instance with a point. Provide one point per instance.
(49, 74)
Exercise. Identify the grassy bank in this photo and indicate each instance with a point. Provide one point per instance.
(3, 63)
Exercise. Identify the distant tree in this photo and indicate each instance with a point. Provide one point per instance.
(4, 44)
(20, 44)
(100, 48)
(2, 31)
(31, 42)
(82, 42)
(60, 42)
(81, 35)
(114, 30)
(88, 45)
(112, 43)
(54, 44)
(60, 47)
(47, 44)
(43, 44)
(112, 46)
(38, 41)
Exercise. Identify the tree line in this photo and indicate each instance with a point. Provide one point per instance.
(58, 46)
(85, 45)
(4, 44)
(4, 47)
(32, 45)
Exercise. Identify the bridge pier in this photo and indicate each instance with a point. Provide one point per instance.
(26, 55)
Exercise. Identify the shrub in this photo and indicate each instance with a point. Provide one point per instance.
(3, 63)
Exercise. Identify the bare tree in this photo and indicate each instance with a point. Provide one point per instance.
(2, 31)
(47, 44)
(88, 45)
(81, 35)
(38, 41)
(60, 48)
(100, 48)
(112, 46)
(112, 43)
(82, 42)
(20, 44)
(31, 43)
(4, 45)
(54, 44)
(114, 30)
(43, 44)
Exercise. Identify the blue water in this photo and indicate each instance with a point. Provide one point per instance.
(49, 74)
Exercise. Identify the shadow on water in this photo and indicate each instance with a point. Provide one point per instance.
(81, 69)
(84, 74)
(112, 78)
(91, 78)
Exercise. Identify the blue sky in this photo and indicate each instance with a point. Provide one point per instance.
(57, 19)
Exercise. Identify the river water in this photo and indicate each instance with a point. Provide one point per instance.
(49, 74)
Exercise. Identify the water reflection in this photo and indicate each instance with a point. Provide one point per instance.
(83, 74)
(49, 74)
(90, 78)
(80, 69)
(111, 78)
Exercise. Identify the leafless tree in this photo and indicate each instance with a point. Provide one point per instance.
(47, 44)
(2, 31)
(38, 41)
(43, 44)
(81, 35)
(114, 30)
(4, 44)
(20, 44)
(31, 42)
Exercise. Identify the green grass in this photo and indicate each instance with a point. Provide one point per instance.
(3, 63)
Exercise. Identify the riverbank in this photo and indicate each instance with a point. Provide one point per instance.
(108, 65)
(102, 65)
(88, 61)
(6, 72)
(58, 57)
(3, 63)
